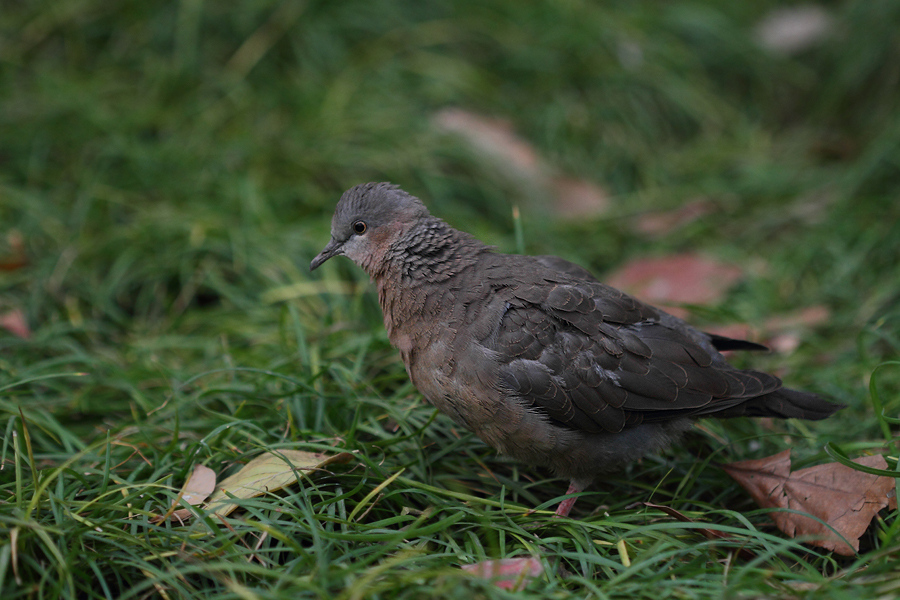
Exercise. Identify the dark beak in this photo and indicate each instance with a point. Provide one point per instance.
(333, 248)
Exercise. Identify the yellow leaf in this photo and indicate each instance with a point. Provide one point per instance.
(267, 473)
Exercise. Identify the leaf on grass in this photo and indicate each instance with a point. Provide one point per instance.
(843, 498)
(784, 332)
(14, 322)
(657, 224)
(199, 485)
(17, 258)
(497, 140)
(266, 473)
(780, 333)
(196, 489)
(507, 573)
(494, 138)
(677, 279)
(578, 198)
(710, 534)
(790, 30)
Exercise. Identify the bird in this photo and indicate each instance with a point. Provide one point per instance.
(533, 354)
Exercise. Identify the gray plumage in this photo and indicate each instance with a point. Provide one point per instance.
(533, 354)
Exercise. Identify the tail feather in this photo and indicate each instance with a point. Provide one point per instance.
(720, 342)
(784, 404)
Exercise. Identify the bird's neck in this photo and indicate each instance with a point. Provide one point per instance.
(429, 252)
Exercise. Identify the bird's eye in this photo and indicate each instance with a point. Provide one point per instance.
(359, 227)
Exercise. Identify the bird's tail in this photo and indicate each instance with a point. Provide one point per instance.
(784, 404)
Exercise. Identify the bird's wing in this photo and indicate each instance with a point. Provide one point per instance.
(596, 359)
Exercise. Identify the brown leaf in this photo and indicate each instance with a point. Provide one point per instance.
(497, 140)
(494, 138)
(17, 259)
(579, 198)
(656, 224)
(842, 497)
(678, 279)
(781, 333)
(507, 573)
(14, 322)
(196, 489)
(784, 332)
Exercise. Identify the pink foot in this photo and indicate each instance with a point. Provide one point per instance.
(566, 505)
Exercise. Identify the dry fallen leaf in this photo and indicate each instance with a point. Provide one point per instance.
(14, 322)
(780, 333)
(17, 258)
(577, 198)
(842, 497)
(656, 224)
(507, 573)
(267, 473)
(199, 485)
(497, 140)
(677, 279)
(196, 489)
(784, 332)
(790, 30)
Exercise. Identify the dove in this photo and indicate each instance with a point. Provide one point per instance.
(533, 354)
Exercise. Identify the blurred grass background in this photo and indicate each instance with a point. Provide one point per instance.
(168, 169)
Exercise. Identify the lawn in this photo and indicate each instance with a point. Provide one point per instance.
(169, 169)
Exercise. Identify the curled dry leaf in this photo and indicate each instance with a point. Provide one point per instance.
(196, 489)
(843, 498)
(507, 573)
(267, 473)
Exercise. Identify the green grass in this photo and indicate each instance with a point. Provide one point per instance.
(171, 169)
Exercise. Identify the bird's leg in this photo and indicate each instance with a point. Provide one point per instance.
(566, 505)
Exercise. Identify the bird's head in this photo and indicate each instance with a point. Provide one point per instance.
(367, 220)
